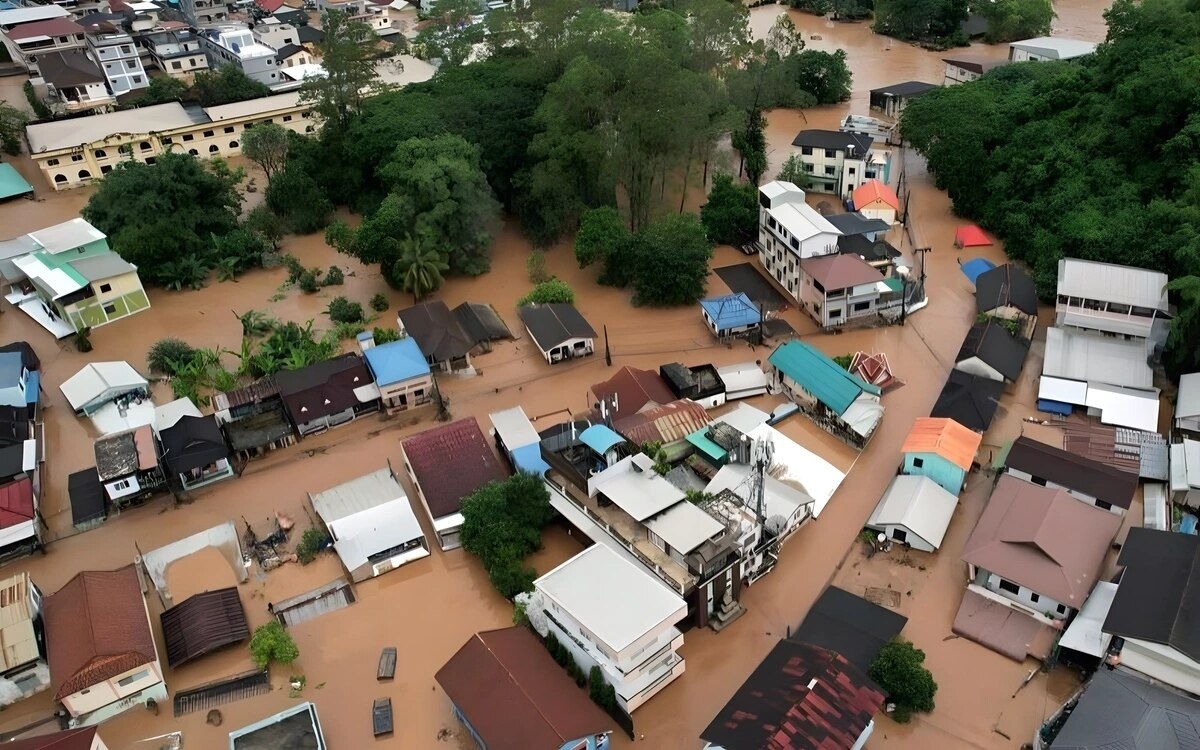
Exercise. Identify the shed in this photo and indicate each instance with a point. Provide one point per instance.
(876, 200)
(892, 100)
(203, 623)
(990, 350)
(558, 330)
(970, 236)
(914, 511)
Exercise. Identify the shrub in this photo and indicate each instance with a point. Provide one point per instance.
(83, 340)
(385, 335)
(295, 268)
(333, 277)
(548, 292)
(843, 361)
(168, 355)
(271, 643)
(899, 670)
(342, 310)
(379, 303)
(309, 280)
(312, 541)
(535, 266)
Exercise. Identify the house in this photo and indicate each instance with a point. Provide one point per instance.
(401, 372)
(297, 727)
(942, 450)
(879, 254)
(101, 383)
(800, 697)
(127, 465)
(743, 380)
(295, 56)
(89, 503)
(730, 315)
(1185, 473)
(836, 289)
(849, 625)
(789, 231)
(447, 463)
(518, 441)
(969, 400)
(966, 68)
(202, 13)
(73, 82)
(1118, 709)
(1038, 548)
(990, 350)
(836, 161)
(1187, 403)
(327, 394)
(1093, 482)
(439, 335)
(234, 44)
(117, 55)
(875, 200)
(915, 511)
(700, 383)
(372, 524)
(891, 100)
(1116, 301)
(837, 401)
(668, 425)
(607, 612)
(195, 452)
(20, 386)
(784, 503)
(29, 41)
(1044, 48)
(168, 415)
(559, 331)
(253, 419)
(508, 692)
(1006, 292)
(103, 660)
(23, 658)
(176, 52)
(84, 738)
(1153, 615)
(628, 392)
(202, 624)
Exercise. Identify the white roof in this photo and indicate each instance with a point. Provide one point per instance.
(1058, 48)
(1108, 282)
(634, 487)
(51, 136)
(779, 499)
(403, 70)
(166, 415)
(307, 70)
(1125, 407)
(745, 418)
(1187, 401)
(1154, 506)
(66, 236)
(373, 531)
(917, 503)
(59, 281)
(31, 13)
(97, 378)
(252, 107)
(777, 188)
(1185, 465)
(863, 414)
(1086, 633)
(514, 428)
(1063, 391)
(614, 600)
(745, 376)
(799, 468)
(1078, 355)
(685, 527)
(802, 220)
(358, 495)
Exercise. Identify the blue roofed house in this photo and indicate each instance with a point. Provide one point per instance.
(730, 315)
(400, 370)
(518, 441)
(840, 403)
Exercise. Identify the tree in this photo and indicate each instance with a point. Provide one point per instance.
(240, 250)
(298, 200)
(168, 356)
(1183, 353)
(672, 262)
(349, 68)
(262, 221)
(451, 32)
(12, 128)
(899, 670)
(226, 85)
(601, 232)
(793, 171)
(419, 268)
(502, 524)
(1010, 20)
(825, 75)
(266, 144)
(751, 142)
(163, 89)
(379, 303)
(342, 310)
(271, 643)
(731, 215)
(549, 292)
(920, 20)
(784, 39)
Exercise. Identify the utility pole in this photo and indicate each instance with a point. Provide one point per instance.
(607, 351)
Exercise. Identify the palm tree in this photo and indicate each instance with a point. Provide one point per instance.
(419, 268)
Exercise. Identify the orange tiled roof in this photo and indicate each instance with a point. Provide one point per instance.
(874, 190)
(944, 437)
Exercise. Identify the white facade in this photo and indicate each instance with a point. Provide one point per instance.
(915, 511)
(790, 230)
(1187, 403)
(176, 53)
(235, 44)
(117, 56)
(1027, 599)
(204, 12)
(1163, 663)
(1115, 301)
(1045, 48)
(22, 660)
(1185, 473)
(276, 35)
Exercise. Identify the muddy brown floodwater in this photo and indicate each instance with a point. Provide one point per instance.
(429, 608)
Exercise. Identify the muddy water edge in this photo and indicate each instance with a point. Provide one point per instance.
(428, 609)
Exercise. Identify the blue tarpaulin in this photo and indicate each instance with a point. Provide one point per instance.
(1054, 407)
(974, 267)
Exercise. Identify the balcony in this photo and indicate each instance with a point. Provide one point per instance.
(1097, 316)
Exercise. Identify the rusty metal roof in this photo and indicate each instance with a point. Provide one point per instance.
(667, 423)
(202, 624)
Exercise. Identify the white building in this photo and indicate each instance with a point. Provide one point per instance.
(837, 162)
(235, 44)
(1185, 473)
(23, 658)
(118, 57)
(916, 511)
(1187, 403)
(611, 614)
(1044, 48)
(204, 12)
(1115, 301)
(100, 383)
(790, 230)
(176, 53)
(275, 34)
(967, 68)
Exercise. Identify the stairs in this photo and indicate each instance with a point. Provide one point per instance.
(729, 612)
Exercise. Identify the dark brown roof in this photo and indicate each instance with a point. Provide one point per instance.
(840, 271)
(634, 389)
(69, 68)
(508, 687)
(203, 624)
(96, 628)
(255, 393)
(450, 462)
(72, 739)
(1076, 473)
(436, 331)
(306, 391)
(801, 697)
(48, 27)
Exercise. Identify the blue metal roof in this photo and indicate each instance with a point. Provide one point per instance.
(975, 267)
(528, 458)
(11, 181)
(32, 387)
(732, 311)
(816, 373)
(600, 438)
(396, 361)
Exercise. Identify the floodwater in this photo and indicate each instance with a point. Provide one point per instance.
(429, 608)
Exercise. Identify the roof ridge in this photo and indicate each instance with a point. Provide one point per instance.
(519, 686)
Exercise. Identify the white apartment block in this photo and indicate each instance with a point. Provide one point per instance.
(235, 44)
(204, 12)
(276, 35)
(838, 162)
(790, 230)
(118, 58)
(176, 53)
(609, 613)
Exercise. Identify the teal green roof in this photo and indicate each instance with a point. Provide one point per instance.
(896, 285)
(12, 183)
(705, 445)
(816, 373)
(50, 260)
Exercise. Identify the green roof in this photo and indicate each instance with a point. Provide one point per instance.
(705, 445)
(12, 183)
(895, 284)
(50, 260)
(816, 373)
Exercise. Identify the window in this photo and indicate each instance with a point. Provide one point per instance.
(130, 64)
(104, 288)
(1103, 505)
(125, 48)
(830, 170)
(818, 286)
(137, 79)
(309, 129)
(176, 65)
(1034, 597)
(110, 309)
(144, 146)
(213, 149)
(1061, 609)
(188, 137)
(167, 141)
(1011, 588)
(806, 150)
(193, 152)
(127, 681)
(850, 170)
(52, 162)
(900, 535)
(60, 179)
(229, 129)
(76, 157)
(287, 118)
(233, 144)
(121, 485)
(1039, 481)
(84, 174)
(830, 153)
(208, 134)
(835, 314)
(193, 62)
(106, 169)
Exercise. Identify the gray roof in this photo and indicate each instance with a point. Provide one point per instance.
(1086, 356)
(69, 68)
(1055, 48)
(906, 90)
(834, 139)
(856, 223)
(1187, 401)
(102, 266)
(59, 134)
(1109, 282)
(553, 324)
(1118, 711)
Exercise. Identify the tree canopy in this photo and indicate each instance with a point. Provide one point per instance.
(266, 144)
(502, 524)
(899, 669)
(349, 65)
(12, 128)
(225, 85)
(1010, 20)
(731, 215)
(922, 20)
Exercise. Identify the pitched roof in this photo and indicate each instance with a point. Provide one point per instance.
(288, 50)
(867, 249)
(203, 623)
(816, 373)
(67, 68)
(996, 347)
(260, 390)
(96, 379)
(193, 443)
(436, 331)
(1005, 285)
(71, 739)
(800, 697)
(96, 628)
(481, 322)
(945, 438)
(849, 625)
(874, 190)
(1088, 356)
(634, 390)
(1056, 48)
(917, 503)
(839, 271)
(450, 462)
(1158, 599)
(969, 400)
(1120, 710)
(731, 311)
(666, 423)
(396, 361)
(515, 696)
(909, 89)
(833, 139)
(29, 357)
(553, 324)
(855, 223)
(48, 27)
(325, 388)
(306, 34)
(16, 503)
(1075, 472)
(974, 63)
(1042, 539)
(1109, 282)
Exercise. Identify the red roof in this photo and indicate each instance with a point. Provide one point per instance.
(49, 27)
(971, 236)
(635, 389)
(16, 502)
(269, 6)
(449, 463)
(874, 190)
(72, 739)
(840, 271)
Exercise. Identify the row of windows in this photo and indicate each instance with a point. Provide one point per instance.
(829, 152)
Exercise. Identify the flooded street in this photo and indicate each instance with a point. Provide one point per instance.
(427, 609)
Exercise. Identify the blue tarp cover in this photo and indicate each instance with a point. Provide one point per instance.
(976, 266)
(1054, 407)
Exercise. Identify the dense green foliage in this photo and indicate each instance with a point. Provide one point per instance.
(298, 200)
(731, 215)
(271, 643)
(266, 144)
(451, 32)
(1011, 20)
(312, 541)
(225, 85)
(40, 108)
(922, 20)
(163, 89)
(167, 356)
(671, 261)
(379, 303)
(1095, 158)
(825, 75)
(899, 669)
(601, 233)
(12, 128)
(342, 310)
(548, 292)
(349, 64)
(502, 524)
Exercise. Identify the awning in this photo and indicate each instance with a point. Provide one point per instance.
(975, 267)
(707, 448)
(1086, 633)
(528, 458)
(1054, 407)
(367, 393)
(1124, 407)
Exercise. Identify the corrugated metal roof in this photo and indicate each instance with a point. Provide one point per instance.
(1108, 282)
(202, 624)
(945, 438)
(1076, 355)
(816, 373)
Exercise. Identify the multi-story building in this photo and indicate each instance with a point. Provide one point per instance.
(611, 614)
(204, 12)
(23, 658)
(235, 44)
(117, 56)
(1115, 301)
(275, 35)
(176, 53)
(72, 82)
(29, 41)
(789, 231)
(837, 161)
